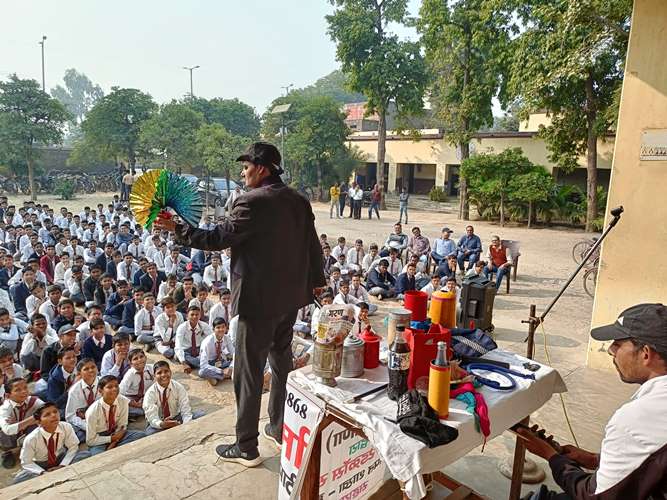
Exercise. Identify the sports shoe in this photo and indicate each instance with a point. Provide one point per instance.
(267, 434)
(232, 453)
(8, 460)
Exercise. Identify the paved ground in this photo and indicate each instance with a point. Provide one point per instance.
(182, 465)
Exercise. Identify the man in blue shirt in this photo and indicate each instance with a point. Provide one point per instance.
(469, 248)
(443, 247)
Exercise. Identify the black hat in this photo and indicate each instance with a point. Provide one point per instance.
(66, 329)
(645, 322)
(447, 230)
(263, 153)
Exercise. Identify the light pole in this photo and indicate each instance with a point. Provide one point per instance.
(281, 109)
(286, 88)
(190, 69)
(43, 78)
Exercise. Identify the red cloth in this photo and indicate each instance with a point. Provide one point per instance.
(481, 409)
(498, 255)
(111, 421)
(90, 397)
(52, 446)
(164, 404)
(193, 341)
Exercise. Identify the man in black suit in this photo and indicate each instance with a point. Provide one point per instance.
(105, 257)
(271, 212)
(151, 281)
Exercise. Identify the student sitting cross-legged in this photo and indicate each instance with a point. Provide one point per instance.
(137, 381)
(99, 342)
(8, 369)
(166, 326)
(16, 418)
(49, 447)
(166, 402)
(216, 357)
(81, 395)
(115, 361)
(106, 418)
(62, 378)
(189, 337)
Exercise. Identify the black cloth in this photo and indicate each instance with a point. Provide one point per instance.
(100, 296)
(88, 288)
(418, 420)
(49, 359)
(146, 282)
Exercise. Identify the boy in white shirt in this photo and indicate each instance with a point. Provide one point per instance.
(16, 418)
(340, 248)
(136, 248)
(189, 337)
(166, 325)
(61, 268)
(360, 293)
(144, 321)
(202, 302)
(35, 341)
(356, 255)
(214, 275)
(370, 259)
(222, 309)
(81, 395)
(166, 403)
(167, 287)
(50, 306)
(107, 418)
(115, 361)
(11, 330)
(433, 286)
(51, 446)
(91, 253)
(216, 357)
(8, 369)
(137, 381)
(36, 298)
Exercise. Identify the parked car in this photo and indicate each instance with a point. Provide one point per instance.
(217, 190)
(192, 179)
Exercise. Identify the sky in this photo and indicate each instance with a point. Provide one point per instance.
(246, 49)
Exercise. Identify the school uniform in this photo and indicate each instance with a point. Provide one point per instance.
(50, 310)
(109, 367)
(11, 414)
(17, 371)
(219, 310)
(361, 294)
(337, 250)
(214, 356)
(172, 402)
(214, 277)
(144, 324)
(355, 258)
(59, 383)
(129, 312)
(304, 317)
(42, 451)
(9, 337)
(125, 272)
(165, 335)
(113, 314)
(204, 306)
(188, 342)
(103, 420)
(32, 305)
(96, 349)
(79, 398)
(33, 347)
(83, 331)
(134, 386)
(48, 360)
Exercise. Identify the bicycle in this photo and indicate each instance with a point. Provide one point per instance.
(581, 248)
(591, 277)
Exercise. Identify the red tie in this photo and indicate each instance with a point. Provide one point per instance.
(23, 408)
(227, 314)
(140, 394)
(90, 398)
(127, 272)
(52, 446)
(154, 289)
(111, 423)
(164, 403)
(218, 350)
(69, 381)
(215, 275)
(193, 341)
(151, 319)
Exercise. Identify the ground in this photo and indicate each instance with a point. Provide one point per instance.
(544, 266)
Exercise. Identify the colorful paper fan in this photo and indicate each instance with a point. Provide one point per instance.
(159, 190)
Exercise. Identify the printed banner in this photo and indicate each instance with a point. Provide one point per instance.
(303, 413)
(350, 468)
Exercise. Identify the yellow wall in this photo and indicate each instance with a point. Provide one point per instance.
(633, 269)
(532, 124)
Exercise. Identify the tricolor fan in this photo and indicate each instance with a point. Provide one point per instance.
(159, 190)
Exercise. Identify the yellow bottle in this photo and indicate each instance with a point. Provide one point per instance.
(438, 382)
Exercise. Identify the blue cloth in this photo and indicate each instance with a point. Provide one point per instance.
(375, 279)
(92, 350)
(500, 273)
(405, 283)
(136, 280)
(19, 293)
(112, 269)
(200, 261)
(443, 247)
(56, 390)
(114, 308)
(471, 243)
(129, 311)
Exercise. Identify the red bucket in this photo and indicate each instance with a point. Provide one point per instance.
(416, 302)
(423, 350)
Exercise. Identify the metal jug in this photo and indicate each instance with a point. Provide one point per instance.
(353, 357)
(327, 362)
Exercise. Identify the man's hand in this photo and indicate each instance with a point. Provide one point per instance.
(584, 458)
(187, 369)
(168, 423)
(536, 445)
(227, 372)
(120, 358)
(117, 436)
(165, 224)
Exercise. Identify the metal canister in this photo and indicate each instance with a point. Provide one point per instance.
(353, 357)
(397, 317)
(327, 362)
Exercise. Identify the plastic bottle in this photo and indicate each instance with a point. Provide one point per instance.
(398, 365)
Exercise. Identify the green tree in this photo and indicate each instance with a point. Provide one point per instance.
(532, 187)
(218, 149)
(379, 65)
(569, 61)
(28, 117)
(114, 122)
(335, 85)
(78, 95)
(237, 117)
(465, 45)
(170, 135)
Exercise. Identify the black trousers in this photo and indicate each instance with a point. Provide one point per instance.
(257, 339)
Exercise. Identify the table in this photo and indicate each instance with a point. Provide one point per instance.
(408, 459)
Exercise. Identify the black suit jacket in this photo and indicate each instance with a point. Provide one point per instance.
(271, 232)
(146, 282)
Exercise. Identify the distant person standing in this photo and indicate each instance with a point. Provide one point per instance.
(403, 205)
(342, 192)
(358, 198)
(350, 195)
(334, 193)
(128, 180)
(376, 198)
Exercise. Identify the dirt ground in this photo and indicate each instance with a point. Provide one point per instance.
(544, 265)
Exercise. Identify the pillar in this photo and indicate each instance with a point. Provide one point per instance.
(391, 180)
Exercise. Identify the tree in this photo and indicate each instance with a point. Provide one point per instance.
(379, 65)
(237, 117)
(170, 135)
(569, 61)
(465, 45)
(79, 94)
(113, 123)
(335, 85)
(218, 149)
(28, 116)
(532, 187)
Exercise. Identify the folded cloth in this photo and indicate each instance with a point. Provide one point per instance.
(418, 420)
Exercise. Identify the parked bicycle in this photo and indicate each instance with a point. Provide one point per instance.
(581, 248)
(591, 277)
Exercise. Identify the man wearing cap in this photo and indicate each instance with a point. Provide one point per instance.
(632, 462)
(443, 246)
(271, 232)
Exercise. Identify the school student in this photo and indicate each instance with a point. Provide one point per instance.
(223, 308)
(16, 417)
(81, 395)
(202, 302)
(115, 361)
(144, 321)
(61, 378)
(166, 325)
(50, 306)
(11, 330)
(137, 381)
(216, 357)
(99, 343)
(166, 402)
(35, 341)
(66, 338)
(106, 418)
(8, 370)
(189, 337)
(36, 298)
(50, 446)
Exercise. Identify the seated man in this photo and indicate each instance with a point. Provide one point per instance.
(447, 268)
(443, 246)
(497, 260)
(468, 249)
(406, 281)
(419, 245)
(396, 240)
(355, 256)
(631, 462)
(381, 283)
(370, 259)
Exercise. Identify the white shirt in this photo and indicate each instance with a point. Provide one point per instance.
(32, 345)
(205, 306)
(17, 329)
(157, 257)
(72, 251)
(358, 195)
(6, 302)
(89, 235)
(635, 431)
(345, 299)
(428, 289)
(177, 397)
(163, 291)
(77, 400)
(142, 320)
(219, 311)
(59, 273)
(352, 255)
(84, 274)
(108, 365)
(17, 372)
(184, 338)
(32, 304)
(172, 267)
(359, 293)
(35, 447)
(50, 310)
(163, 333)
(121, 271)
(97, 420)
(129, 386)
(10, 413)
(136, 250)
(212, 275)
(90, 258)
(337, 250)
(83, 331)
(207, 352)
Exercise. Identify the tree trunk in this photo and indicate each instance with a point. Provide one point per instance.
(530, 213)
(502, 210)
(464, 207)
(228, 180)
(131, 159)
(591, 154)
(382, 138)
(319, 182)
(31, 173)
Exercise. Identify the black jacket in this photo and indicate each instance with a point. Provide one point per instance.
(146, 282)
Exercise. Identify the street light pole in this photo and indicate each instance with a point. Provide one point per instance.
(282, 128)
(43, 78)
(190, 69)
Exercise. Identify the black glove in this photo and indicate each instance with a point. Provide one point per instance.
(418, 420)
